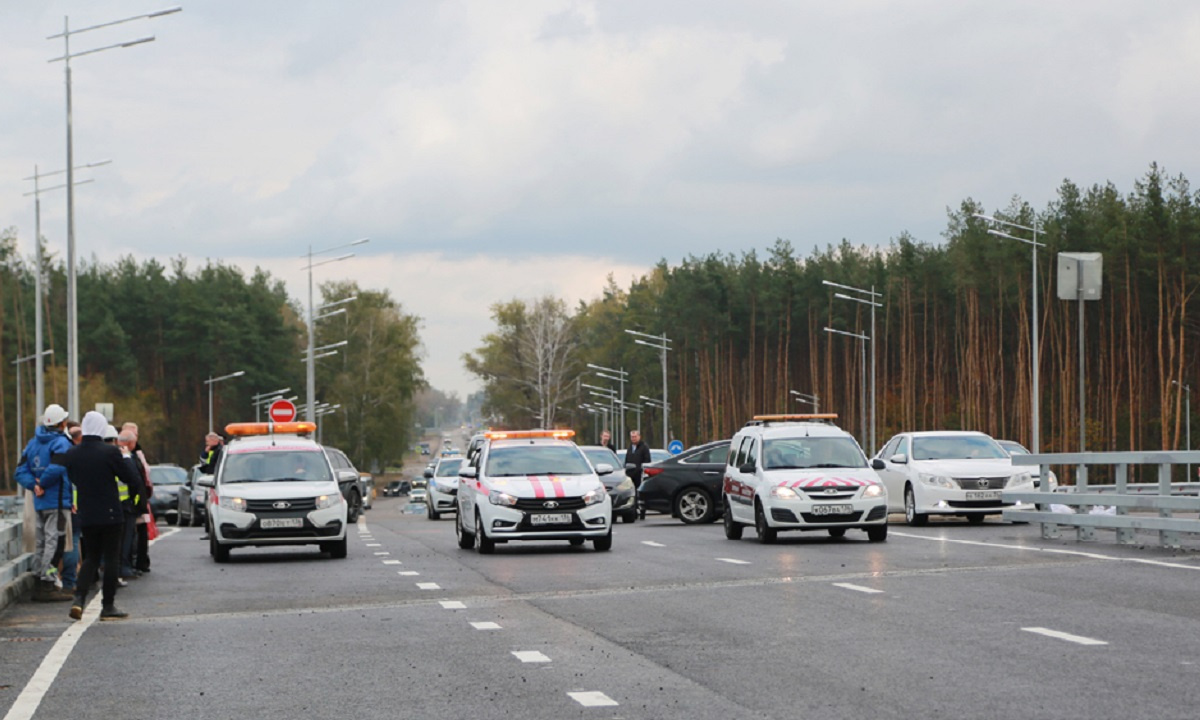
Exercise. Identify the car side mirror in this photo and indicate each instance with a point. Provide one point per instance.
(206, 481)
(467, 472)
(877, 464)
(604, 469)
(428, 474)
(747, 469)
(899, 459)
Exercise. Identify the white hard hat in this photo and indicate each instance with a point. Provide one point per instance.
(54, 415)
(110, 433)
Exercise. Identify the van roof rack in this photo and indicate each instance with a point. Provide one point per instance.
(824, 418)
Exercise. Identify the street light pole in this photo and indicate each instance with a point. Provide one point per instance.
(871, 296)
(310, 405)
(212, 381)
(266, 398)
(662, 344)
(620, 376)
(21, 397)
(1034, 351)
(72, 300)
(863, 392)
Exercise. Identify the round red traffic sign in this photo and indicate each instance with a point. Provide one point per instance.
(282, 411)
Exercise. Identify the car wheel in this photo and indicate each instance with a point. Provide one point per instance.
(431, 513)
(576, 542)
(911, 516)
(630, 516)
(693, 506)
(603, 544)
(733, 528)
(219, 552)
(484, 545)
(336, 549)
(877, 533)
(355, 509)
(766, 534)
(837, 532)
(975, 519)
(466, 540)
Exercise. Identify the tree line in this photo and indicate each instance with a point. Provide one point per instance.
(952, 331)
(151, 334)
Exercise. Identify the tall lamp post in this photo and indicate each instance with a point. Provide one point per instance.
(310, 404)
(663, 344)
(1187, 421)
(807, 399)
(213, 381)
(72, 300)
(39, 291)
(1034, 351)
(869, 299)
(862, 396)
(618, 376)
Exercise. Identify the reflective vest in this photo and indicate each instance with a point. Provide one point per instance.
(122, 489)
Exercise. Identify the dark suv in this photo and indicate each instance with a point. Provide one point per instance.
(349, 481)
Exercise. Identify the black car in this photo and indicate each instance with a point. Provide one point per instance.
(620, 488)
(350, 481)
(164, 500)
(688, 485)
(192, 499)
(396, 488)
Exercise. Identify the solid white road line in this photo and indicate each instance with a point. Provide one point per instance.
(529, 656)
(485, 626)
(858, 588)
(651, 543)
(1056, 551)
(592, 699)
(428, 586)
(452, 604)
(733, 561)
(1064, 636)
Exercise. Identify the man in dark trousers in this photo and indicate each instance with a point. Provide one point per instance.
(636, 455)
(94, 468)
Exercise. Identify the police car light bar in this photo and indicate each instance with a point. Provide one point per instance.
(525, 434)
(269, 428)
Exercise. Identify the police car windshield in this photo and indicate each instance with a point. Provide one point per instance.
(802, 453)
(275, 466)
(519, 460)
(956, 447)
(448, 467)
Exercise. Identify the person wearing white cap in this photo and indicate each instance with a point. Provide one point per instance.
(39, 473)
(94, 467)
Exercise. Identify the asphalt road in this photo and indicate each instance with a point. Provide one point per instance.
(950, 620)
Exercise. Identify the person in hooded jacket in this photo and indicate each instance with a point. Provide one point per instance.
(40, 474)
(95, 467)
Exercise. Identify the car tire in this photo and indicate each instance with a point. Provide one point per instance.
(694, 505)
(484, 545)
(466, 540)
(733, 528)
(336, 549)
(877, 534)
(355, 508)
(431, 513)
(575, 542)
(765, 533)
(219, 552)
(603, 544)
(837, 532)
(911, 516)
(630, 516)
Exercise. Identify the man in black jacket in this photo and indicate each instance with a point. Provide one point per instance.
(94, 468)
(637, 455)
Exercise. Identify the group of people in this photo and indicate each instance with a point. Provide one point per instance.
(91, 486)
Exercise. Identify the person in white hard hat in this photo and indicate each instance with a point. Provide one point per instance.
(39, 472)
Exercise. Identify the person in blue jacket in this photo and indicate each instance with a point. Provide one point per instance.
(53, 498)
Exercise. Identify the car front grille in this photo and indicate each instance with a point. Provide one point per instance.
(829, 519)
(539, 504)
(987, 483)
(294, 504)
(822, 493)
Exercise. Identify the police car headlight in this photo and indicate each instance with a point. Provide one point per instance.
(1019, 479)
(873, 491)
(939, 481)
(625, 485)
(500, 498)
(328, 501)
(233, 503)
(784, 493)
(595, 495)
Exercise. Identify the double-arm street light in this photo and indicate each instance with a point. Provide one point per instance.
(862, 396)
(213, 381)
(618, 376)
(807, 399)
(663, 345)
(72, 300)
(869, 298)
(310, 404)
(1034, 350)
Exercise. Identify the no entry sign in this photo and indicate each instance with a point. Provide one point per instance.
(282, 411)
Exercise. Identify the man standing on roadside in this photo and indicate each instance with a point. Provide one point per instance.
(142, 553)
(211, 455)
(606, 440)
(41, 474)
(95, 467)
(637, 455)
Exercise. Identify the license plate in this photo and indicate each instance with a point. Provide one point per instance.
(274, 523)
(983, 495)
(550, 519)
(833, 510)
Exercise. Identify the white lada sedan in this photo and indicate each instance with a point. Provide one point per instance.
(532, 485)
(948, 473)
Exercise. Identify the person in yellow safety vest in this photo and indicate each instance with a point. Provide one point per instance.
(211, 455)
(130, 501)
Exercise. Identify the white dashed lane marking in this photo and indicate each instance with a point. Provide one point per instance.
(374, 544)
(1079, 639)
(428, 586)
(733, 561)
(651, 543)
(392, 562)
(592, 699)
(452, 605)
(382, 552)
(530, 656)
(485, 626)
(408, 573)
(857, 588)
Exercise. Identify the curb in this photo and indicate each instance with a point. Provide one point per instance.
(17, 590)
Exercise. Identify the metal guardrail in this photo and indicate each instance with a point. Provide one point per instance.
(1163, 498)
(11, 506)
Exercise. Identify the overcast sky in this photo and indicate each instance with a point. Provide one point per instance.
(493, 150)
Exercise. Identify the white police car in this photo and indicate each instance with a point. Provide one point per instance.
(801, 472)
(532, 485)
(442, 486)
(274, 486)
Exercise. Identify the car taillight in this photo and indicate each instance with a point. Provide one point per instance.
(651, 471)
